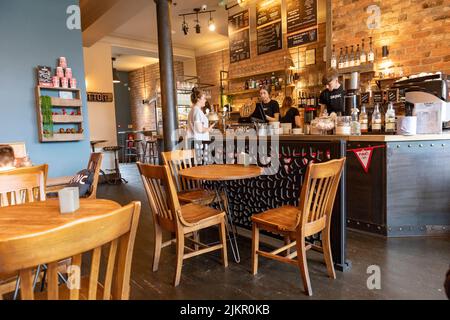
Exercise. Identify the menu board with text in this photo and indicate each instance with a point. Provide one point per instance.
(301, 14)
(270, 38)
(267, 11)
(302, 38)
(240, 45)
(238, 21)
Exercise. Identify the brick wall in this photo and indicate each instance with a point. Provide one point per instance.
(417, 32)
(209, 66)
(143, 116)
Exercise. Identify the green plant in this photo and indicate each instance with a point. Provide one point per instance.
(47, 117)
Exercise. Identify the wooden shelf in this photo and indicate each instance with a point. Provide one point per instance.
(61, 137)
(364, 68)
(256, 75)
(59, 89)
(73, 103)
(67, 119)
(62, 120)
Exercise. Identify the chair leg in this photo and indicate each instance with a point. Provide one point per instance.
(326, 246)
(255, 247)
(196, 238)
(180, 255)
(303, 265)
(287, 240)
(158, 245)
(223, 239)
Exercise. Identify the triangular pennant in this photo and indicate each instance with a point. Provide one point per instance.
(364, 156)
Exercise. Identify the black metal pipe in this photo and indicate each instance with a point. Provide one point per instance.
(168, 93)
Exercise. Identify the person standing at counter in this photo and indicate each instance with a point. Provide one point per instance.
(198, 127)
(289, 114)
(332, 98)
(271, 107)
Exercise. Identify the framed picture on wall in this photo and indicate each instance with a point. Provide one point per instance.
(310, 57)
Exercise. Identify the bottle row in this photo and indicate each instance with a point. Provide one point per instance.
(274, 82)
(353, 58)
(379, 122)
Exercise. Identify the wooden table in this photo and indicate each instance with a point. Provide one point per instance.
(28, 219)
(222, 173)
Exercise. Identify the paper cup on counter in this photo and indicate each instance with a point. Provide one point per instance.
(68, 73)
(56, 82)
(73, 83)
(69, 200)
(60, 72)
(407, 126)
(63, 62)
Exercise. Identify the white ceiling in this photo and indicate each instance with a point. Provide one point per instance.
(143, 26)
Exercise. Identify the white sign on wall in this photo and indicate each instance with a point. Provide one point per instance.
(374, 20)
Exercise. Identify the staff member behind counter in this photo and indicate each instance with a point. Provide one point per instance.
(332, 98)
(271, 107)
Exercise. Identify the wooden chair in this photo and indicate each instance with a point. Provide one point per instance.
(189, 191)
(313, 215)
(182, 220)
(19, 186)
(116, 230)
(95, 164)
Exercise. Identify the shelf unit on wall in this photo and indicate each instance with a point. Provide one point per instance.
(364, 68)
(63, 121)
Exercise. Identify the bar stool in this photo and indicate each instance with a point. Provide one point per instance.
(117, 175)
(151, 151)
(133, 148)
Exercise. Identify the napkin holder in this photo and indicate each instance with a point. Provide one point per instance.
(69, 200)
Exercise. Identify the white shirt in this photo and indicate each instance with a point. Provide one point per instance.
(197, 116)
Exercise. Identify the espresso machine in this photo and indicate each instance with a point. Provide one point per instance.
(352, 93)
(428, 92)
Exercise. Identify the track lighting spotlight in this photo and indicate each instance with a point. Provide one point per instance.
(211, 23)
(185, 27)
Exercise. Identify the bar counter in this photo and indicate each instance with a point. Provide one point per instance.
(405, 191)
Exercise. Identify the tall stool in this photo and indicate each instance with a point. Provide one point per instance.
(133, 148)
(117, 175)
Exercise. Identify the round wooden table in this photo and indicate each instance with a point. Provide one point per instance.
(222, 173)
(35, 217)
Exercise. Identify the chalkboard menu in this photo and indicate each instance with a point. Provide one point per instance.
(302, 38)
(240, 45)
(238, 21)
(44, 75)
(270, 38)
(377, 97)
(301, 14)
(392, 95)
(268, 11)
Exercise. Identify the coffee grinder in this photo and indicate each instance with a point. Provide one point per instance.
(352, 96)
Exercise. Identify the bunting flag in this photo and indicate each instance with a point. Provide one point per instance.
(364, 156)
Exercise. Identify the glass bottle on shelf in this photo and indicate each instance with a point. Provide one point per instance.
(357, 57)
(246, 85)
(333, 62)
(346, 61)
(355, 124)
(376, 119)
(364, 119)
(363, 56)
(341, 60)
(371, 54)
(390, 119)
(351, 59)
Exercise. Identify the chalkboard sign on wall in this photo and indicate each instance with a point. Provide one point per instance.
(270, 38)
(302, 38)
(238, 21)
(240, 45)
(267, 11)
(301, 14)
(44, 75)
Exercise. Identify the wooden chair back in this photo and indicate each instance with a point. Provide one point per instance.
(95, 164)
(178, 160)
(162, 196)
(116, 230)
(23, 185)
(318, 195)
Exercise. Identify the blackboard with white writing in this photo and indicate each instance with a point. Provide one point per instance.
(270, 38)
(301, 14)
(268, 11)
(302, 38)
(240, 46)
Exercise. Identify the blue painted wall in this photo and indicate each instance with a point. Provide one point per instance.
(34, 33)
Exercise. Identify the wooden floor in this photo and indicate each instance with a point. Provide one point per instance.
(411, 268)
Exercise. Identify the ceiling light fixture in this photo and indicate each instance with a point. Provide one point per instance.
(197, 12)
(116, 78)
(211, 23)
(185, 26)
